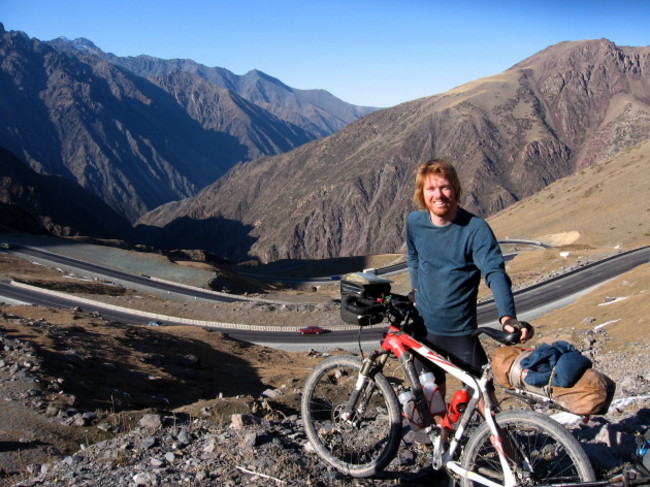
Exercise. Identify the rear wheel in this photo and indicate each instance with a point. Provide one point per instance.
(545, 451)
(363, 444)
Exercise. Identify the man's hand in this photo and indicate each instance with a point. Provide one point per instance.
(511, 325)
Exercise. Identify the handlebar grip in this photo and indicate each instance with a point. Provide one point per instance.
(499, 335)
(362, 306)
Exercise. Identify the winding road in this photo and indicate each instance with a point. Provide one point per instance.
(531, 302)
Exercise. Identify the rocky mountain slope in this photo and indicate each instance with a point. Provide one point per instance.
(317, 112)
(136, 142)
(606, 204)
(36, 203)
(511, 135)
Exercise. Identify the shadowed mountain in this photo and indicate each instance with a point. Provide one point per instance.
(512, 134)
(135, 142)
(34, 203)
(230, 236)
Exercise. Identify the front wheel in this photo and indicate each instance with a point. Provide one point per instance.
(359, 445)
(544, 451)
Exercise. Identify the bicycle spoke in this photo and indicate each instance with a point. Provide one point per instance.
(541, 451)
(357, 438)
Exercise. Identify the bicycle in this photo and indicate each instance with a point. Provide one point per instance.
(353, 418)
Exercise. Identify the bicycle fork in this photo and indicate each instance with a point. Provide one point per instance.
(365, 384)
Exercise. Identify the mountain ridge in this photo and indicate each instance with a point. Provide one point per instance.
(317, 111)
(134, 142)
(510, 134)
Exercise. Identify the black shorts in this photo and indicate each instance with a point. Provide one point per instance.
(463, 350)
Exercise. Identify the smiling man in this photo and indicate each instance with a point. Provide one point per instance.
(449, 249)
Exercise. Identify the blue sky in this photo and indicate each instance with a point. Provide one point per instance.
(366, 52)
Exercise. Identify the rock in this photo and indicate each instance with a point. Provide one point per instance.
(239, 421)
(272, 393)
(143, 480)
(147, 443)
(249, 440)
(150, 421)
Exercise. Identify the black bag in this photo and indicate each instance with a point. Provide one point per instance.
(363, 285)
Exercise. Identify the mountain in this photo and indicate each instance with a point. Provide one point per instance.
(510, 135)
(135, 142)
(317, 112)
(36, 203)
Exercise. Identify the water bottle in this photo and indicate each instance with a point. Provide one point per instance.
(432, 393)
(407, 399)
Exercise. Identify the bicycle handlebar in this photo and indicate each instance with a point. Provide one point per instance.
(500, 336)
(400, 304)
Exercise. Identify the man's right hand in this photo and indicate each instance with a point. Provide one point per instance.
(513, 324)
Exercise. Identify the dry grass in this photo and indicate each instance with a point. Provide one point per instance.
(605, 206)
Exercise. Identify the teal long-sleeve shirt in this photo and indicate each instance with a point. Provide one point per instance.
(445, 266)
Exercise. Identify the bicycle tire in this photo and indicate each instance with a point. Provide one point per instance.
(553, 455)
(367, 444)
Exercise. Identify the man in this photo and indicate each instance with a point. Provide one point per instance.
(448, 250)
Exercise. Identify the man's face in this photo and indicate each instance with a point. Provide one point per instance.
(440, 197)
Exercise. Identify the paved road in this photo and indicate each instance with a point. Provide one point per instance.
(135, 281)
(531, 303)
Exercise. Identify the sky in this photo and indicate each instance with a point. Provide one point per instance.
(366, 52)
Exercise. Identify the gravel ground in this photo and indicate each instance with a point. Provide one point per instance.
(262, 446)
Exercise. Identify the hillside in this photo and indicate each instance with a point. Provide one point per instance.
(511, 134)
(97, 380)
(43, 204)
(606, 205)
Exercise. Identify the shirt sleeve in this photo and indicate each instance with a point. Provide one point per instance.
(489, 259)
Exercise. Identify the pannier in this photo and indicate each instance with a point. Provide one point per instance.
(364, 285)
(590, 392)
